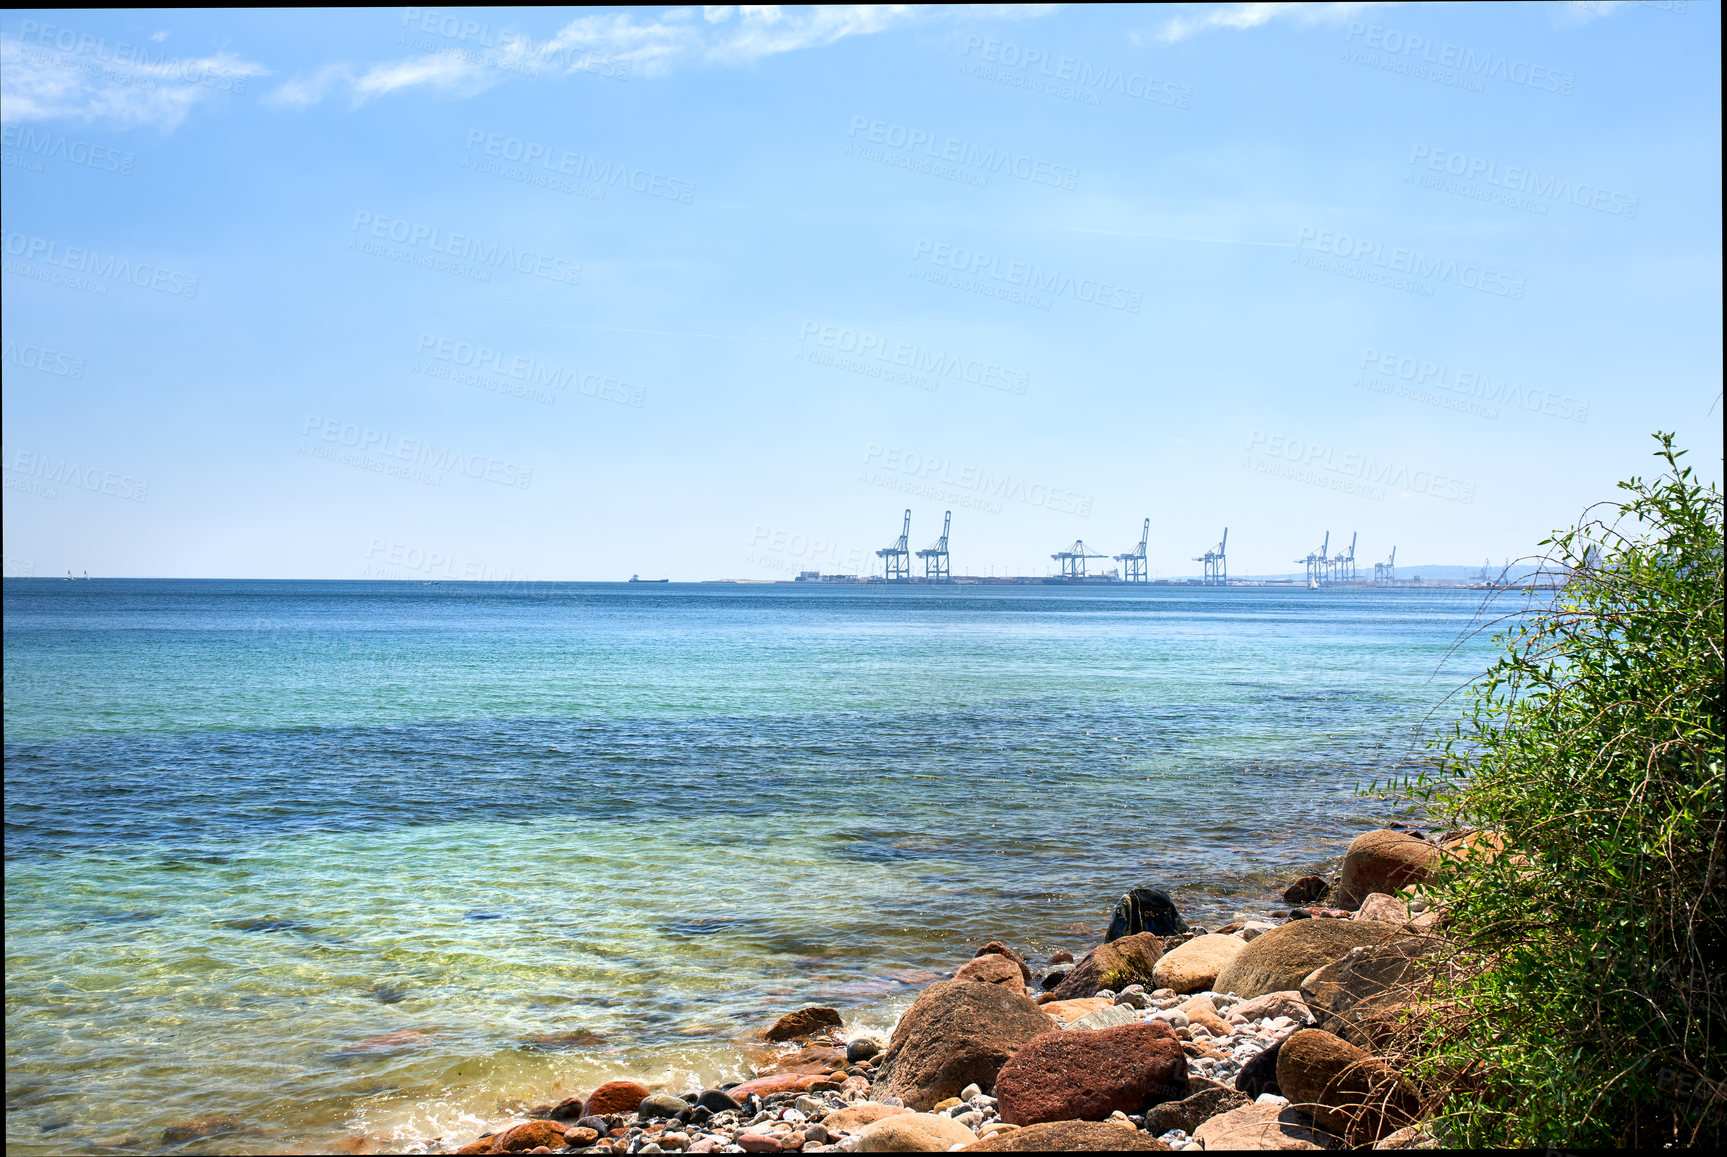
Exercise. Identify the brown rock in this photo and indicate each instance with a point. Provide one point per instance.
(1068, 1011)
(1408, 1137)
(580, 1136)
(804, 1022)
(777, 1083)
(1070, 1137)
(483, 1145)
(1200, 1050)
(1370, 993)
(812, 1059)
(1379, 906)
(1129, 960)
(997, 948)
(1282, 958)
(1345, 1091)
(1193, 966)
(1200, 1010)
(1321, 913)
(1259, 1075)
(1383, 861)
(914, 1133)
(521, 1138)
(614, 1097)
(1262, 1127)
(202, 1127)
(1086, 1076)
(1197, 1108)
(1275, 1004)
(1062, 957)
(955, 1034)
(1475, 846)
(855, 1117)
(992, 969)
(1307, 890)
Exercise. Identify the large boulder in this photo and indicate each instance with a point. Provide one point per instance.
(992, 969)
(1262, 1127)
(804, 1022)
(1384, 861)
(1193, 966)
(1189, 1114)
(1347, 1092)
(1369, 995)
(1144, 910)
(955, 1034)
(1086, 1076)
(914, 1133)
(1282, 958)
(1070, 1137)
(997, 948)
(1128, 960)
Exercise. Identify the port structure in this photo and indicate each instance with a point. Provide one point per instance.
(1072, 560)
(1342, 566)
(1135, 558)
(1318, 563)
(1386, 572)
(897, 554)
(1216, 563)
(937, 567)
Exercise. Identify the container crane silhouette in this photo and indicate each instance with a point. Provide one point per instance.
(1135, 558)
(1317, 563)
(1216, 564)
(1072, 560)
(897, 554)
(936, 565)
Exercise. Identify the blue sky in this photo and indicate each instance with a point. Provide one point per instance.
(439, 293)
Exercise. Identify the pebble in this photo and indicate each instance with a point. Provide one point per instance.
(970, 1093)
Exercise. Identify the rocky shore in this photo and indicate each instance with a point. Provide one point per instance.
(1269, 1033)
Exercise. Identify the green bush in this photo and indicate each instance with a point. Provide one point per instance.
(1584, 1006)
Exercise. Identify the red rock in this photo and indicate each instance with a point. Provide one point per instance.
(992, 969)
(813, 1059)
(1086, 1076)
(758, 1143)
(776, 1083)
(804, 1022)
(580, 1135)
(614, 1097)
(997, 948)
(1062, 957)
(521, 1138)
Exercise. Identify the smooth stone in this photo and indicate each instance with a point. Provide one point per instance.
(780, 1083)
(864, 1046)
(1068, 1011)
(525, 1137)
(855, 1117)
(662, 1105)
(1070, 1137)
(1258, 1077)
(1194, 966)
(997, 948)
(580, 1136)
(1062, 957)
(1113, 966)
(1379, 906)
(1109, 1017)
(757, 1143)
(1261, 1127)
(1383, 861)
(1287, 1003)
(970, 1093)
(1255, 928)
(599, 1125)
(1307, 890)
(804, 1022)
(993, 969)
(1346, 1091)
(1197, 1108)
(914, 1133)
(717, 1101)
(1052, 979)
(1370, 995)
(955, 1034)
(1282, 958)
(810, 1106)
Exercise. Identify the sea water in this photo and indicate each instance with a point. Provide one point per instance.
(363, 865)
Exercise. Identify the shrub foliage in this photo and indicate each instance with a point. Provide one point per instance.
(1584, 1007)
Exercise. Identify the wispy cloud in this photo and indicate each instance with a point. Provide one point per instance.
(1206, 17)
(127, 85)
(630, 43)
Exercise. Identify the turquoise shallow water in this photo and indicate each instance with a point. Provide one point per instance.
(559, 833)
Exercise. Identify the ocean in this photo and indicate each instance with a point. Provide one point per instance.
(363, 864)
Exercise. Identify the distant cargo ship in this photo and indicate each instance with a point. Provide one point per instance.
(636, 578)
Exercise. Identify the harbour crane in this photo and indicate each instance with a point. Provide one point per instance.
(897, 554)
(1316, 560)
(1135, 558)
(936, 565)
(1386, 572)
(1343, 565)
(1216, 564)
(1072, 560)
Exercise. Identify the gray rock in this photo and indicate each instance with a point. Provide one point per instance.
(662, 1105)
(714, 1101)
(1145, 910)
(864, 1046)
(1115, 1014)
(809, 1106)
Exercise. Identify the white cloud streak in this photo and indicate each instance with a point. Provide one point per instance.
(126, 85)
(1207, 17)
